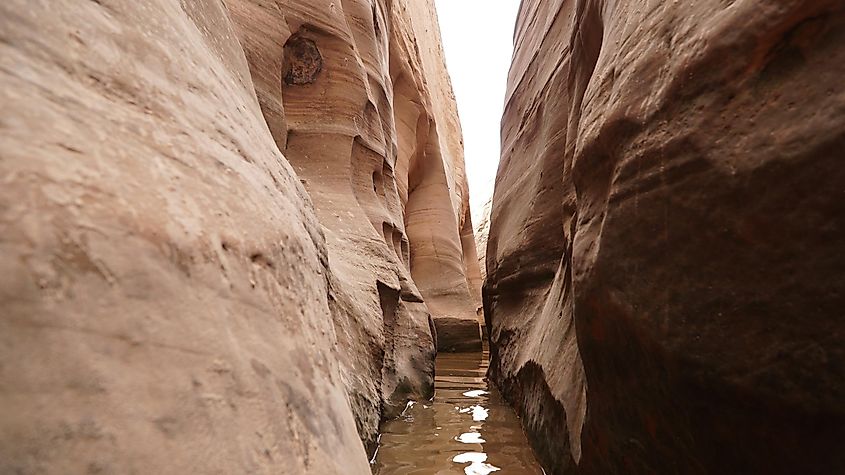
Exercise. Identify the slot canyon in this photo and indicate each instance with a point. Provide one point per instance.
(236, 237)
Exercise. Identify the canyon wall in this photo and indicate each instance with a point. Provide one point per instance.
(224, 228)
(667, 245)
(357, 97)
(482, 232)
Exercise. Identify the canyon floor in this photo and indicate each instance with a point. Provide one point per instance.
(467, 428)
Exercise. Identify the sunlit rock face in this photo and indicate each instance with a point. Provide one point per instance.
(666, 249)
(224, 227)
(358, 99)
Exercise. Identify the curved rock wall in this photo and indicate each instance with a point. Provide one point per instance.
(162, 275)
(482, 232)
(666, 244)
(173, 299)
(357, 97)
(371, 128)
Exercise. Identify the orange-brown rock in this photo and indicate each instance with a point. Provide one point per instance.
(164, 301)
(482, 232)
(667, 245)
(359, 101)
(223, 226)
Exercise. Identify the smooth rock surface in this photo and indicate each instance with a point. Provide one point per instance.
(375, 138)
(482, 232)
(163, 289)
(224, 227)
(667, 245)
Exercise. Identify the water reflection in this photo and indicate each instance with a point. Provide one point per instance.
(477, 465)
(467, 429)
(470, 438)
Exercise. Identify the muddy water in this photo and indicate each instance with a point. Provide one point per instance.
(467, 428)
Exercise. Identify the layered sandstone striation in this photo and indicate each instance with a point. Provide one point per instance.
(360, 103)
(357, 97)
(482, 232)
(163, 276)
(665, 257)
(224, 228)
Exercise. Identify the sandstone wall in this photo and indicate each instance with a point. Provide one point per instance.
(164, 301)
(173, 299)
(373, 133)
(482, 232)
(666, 245)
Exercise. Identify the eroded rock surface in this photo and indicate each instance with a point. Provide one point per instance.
(482, 232)
(164, 301)
(666, 250)
(173, 299)
(364, 112)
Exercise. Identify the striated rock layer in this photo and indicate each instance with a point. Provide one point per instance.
(357, 97)
(173, 300)
(164, 300)
(482, 232)
(667, 245)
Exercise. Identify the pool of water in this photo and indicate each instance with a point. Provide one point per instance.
(467, 429)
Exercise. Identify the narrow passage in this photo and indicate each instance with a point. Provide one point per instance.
(467, 429)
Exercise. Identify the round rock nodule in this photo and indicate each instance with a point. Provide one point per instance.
(302, 63)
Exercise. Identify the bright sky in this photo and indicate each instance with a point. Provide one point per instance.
(478, 41)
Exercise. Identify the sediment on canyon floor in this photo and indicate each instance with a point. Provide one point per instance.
(666, 242)
(232, 233)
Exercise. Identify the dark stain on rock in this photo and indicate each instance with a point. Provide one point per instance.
(262, 260)
(303, 61)
(167, 425)
(260, 368)
(376, 26)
